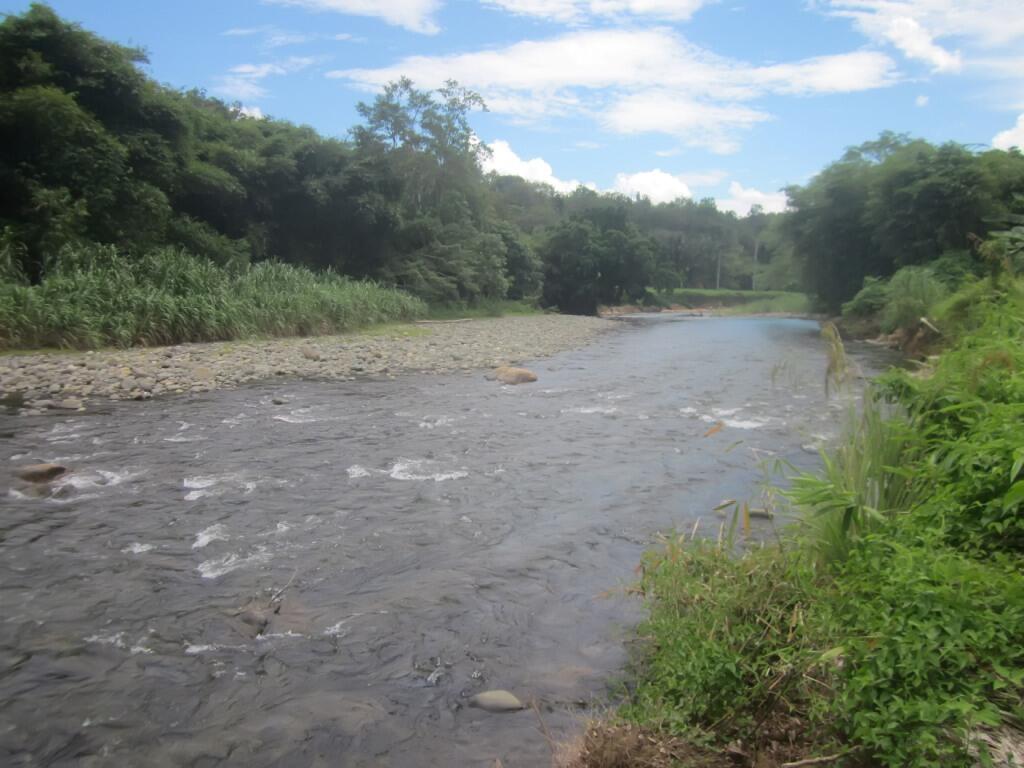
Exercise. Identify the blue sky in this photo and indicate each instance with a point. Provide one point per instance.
(731, 99)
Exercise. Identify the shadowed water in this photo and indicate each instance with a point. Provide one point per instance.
(425, 538)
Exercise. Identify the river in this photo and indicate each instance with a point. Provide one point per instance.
(423, 538)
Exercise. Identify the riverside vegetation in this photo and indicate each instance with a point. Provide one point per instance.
(110, 177)
(886, 625)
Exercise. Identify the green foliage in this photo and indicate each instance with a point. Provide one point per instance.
(933, 649)
(98, 297)
(727, 297)
(971, 413)
(901, 301)
(893, 203)
(913, 292)
(862, 484)
(889, 622)
(727, 641)
(596, 258)
(870, 299)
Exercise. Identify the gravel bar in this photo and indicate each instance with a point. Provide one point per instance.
(67, 380)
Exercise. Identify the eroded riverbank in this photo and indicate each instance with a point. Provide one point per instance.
(68, 380)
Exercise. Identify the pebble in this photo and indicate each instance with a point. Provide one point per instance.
(429, 348)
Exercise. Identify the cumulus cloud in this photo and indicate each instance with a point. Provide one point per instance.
(657, 185)
(1011, 137)
(741, 199)
(924, 30)
(414, 15)
(579, 11)
(504, 161)
(244, 82)
(633, 81)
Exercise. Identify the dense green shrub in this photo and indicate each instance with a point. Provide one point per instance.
(932, 650)
(912, 293)
(870, 299)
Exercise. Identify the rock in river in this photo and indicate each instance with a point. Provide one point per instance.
(508, 375)
(496, 701)
(40, 473)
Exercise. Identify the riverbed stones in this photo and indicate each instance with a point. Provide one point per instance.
(507, 374)
(496, 701)
(69, 404)
(40, 473)
(420, 350)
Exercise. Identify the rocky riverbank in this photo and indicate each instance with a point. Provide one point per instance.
(69, 380)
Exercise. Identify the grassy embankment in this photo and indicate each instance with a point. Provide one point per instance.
(886, 626)
(96, 298)
(728, 301)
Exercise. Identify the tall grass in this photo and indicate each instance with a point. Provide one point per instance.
(861, 485)
(97, 297)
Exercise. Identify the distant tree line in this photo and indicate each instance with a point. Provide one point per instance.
(897, 202)
(92, 151)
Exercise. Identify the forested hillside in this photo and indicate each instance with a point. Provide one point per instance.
(95, 154)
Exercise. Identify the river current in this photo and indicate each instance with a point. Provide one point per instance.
(421, 539)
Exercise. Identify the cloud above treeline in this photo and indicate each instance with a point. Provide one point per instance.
(656, 185)
(634, 81)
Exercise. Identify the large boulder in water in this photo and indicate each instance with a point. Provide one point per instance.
(508, 375)
(496, 701)
(40, 473)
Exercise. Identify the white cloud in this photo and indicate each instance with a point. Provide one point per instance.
(504, 161)
(633, 81)
(587, 145)
(244, 82)
(923, 29)
(414, 15)
(243, 31)
(1011, 137)
(695, 122)
(275, 37)
(741, 199)
(659, 186)
(913, 40)
(921, 101)
(254, 112)
(578, 11)
(630, 59)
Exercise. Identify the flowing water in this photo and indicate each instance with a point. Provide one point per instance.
(423, 539)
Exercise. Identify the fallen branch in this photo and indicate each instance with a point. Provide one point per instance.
(812, 761)
(277, 595)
